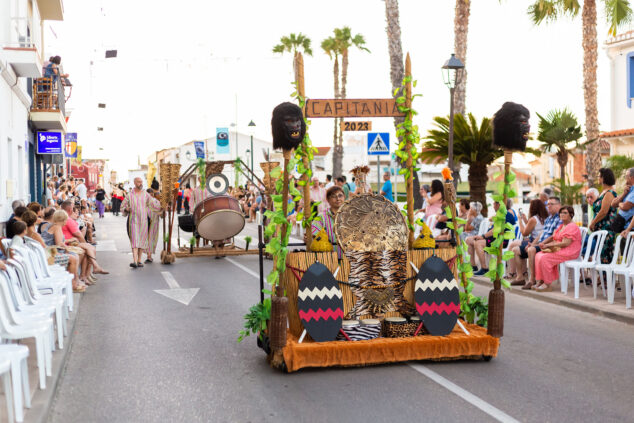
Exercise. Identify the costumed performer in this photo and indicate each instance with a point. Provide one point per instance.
(199, 194)
(155, 218)
(565, 244)
(137, 205)
(335, 198)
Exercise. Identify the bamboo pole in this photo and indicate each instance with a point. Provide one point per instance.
(409, 162)
(308, 211)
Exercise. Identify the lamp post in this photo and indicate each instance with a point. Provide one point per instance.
(251, 129)
(452, 73)
(249, 151)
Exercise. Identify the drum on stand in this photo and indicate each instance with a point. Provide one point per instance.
(186, 223)
(218, 218)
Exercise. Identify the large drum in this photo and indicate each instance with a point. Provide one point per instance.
(218, 218)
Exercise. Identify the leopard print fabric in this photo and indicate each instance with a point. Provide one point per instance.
(381, 268)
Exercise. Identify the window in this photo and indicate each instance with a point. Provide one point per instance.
(630, 78)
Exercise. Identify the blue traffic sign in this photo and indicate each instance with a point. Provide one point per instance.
(378, 143)
(50, 143)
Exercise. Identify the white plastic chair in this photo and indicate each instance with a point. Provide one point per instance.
(589, 261)
(39, 331)
(5, 371)
(53, 271)
(484, 226)
(431, 224)
(563, 270)
(620, 265)
(17, 355)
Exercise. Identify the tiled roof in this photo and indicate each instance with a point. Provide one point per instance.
(322, 151)
(629, 35)
(619, 133)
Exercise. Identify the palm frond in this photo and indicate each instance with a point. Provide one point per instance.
(617, 13)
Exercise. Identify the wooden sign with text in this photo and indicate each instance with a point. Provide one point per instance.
(356, 125)
(334, 108)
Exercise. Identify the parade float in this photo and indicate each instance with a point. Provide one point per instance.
(381, 299)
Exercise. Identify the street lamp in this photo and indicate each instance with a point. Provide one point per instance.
(452, 74)
(248, 151)
(251, 129)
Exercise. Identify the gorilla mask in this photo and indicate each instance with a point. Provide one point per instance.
(510, 127)
(288, 126)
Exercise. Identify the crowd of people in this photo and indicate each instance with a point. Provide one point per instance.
(64, 230)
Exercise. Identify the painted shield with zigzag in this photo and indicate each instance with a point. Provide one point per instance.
(320, 303)
(437, 297)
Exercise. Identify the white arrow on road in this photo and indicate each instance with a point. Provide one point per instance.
(182, 295)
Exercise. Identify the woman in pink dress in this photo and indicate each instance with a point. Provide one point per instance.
(567, 239)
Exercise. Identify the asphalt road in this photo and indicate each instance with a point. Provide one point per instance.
(138, 356)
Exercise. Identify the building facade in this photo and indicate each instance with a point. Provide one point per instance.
(22, 25)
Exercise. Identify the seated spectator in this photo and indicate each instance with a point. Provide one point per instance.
(477, 243)
(509, 207)
(53, 236)
(73, 236)
(47, 218)
(625, 205)
(605, 213)
(18, 210)
(18, 228)
(552, 222)
(530, 229)
(563, 245)
(434, 199)
(474, 220)
(30, 219)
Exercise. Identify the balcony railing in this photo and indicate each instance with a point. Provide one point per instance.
(48, 95)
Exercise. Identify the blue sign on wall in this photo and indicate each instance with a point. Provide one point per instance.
(222, 141)
(50, 143)
(199, 146)
(378, 143)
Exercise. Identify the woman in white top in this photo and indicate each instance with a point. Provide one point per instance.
(530, 228)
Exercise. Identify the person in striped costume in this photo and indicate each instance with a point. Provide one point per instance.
(137, 206)
(155, 218)
(199, 194)
(335, 198)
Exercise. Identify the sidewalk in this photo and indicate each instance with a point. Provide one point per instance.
(586, 302)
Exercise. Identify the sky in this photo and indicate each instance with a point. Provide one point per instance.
(184, 68)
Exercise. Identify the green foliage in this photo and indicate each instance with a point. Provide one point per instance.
(619, 164)
(470, 305)
(406, 131)
(192, 241)
(202, 171)
(569, 194)
(617, 12)
(558, 130)
(292, 43)
(472, 143)
(255, 320)
(166, 237)
(501, 231)
(248, 239)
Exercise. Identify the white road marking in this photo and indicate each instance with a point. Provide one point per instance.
(106, 245)
(176, 293)
(171, 281)
(478, 402)
(246, 269)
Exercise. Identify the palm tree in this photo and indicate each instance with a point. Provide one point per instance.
(340, 45)
(471, 146)
(292, 44)
(331, 48)
(617, 13)
(556, 132)
(461, 29)
(397, 72)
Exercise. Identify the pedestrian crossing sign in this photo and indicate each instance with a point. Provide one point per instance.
(378, 143)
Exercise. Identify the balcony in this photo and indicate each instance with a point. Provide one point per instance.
(51, 10)
(49, 103)
(22, 51)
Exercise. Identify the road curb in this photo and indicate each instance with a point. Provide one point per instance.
(42, 401)
(575, 305)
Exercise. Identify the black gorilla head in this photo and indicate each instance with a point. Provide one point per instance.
(510, 126)
(288, 126)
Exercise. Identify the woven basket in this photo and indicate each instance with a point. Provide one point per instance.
(277, 328)
(495, 325)
(169, 174)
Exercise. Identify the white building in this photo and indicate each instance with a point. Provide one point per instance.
(22, 24)
(620, 50)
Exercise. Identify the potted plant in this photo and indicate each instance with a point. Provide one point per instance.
(192, 242)
(256, 321)
(247, 240)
